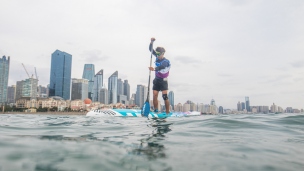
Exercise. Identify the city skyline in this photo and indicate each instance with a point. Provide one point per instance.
(114, 81)
(218, 49)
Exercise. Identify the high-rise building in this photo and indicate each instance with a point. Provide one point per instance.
(42, 91)
(212, 102)
(11, 94)
(247, 104)
(4, 73)
(221, 109)
(103, 95)
(26, 88)
(60, 76)
(122, 99)
(171, 99)
(112, 88)
(89, 73)
(19, 86)
(141, 95)
(186, 107)
(239, 106)
(98, 83)
(120, 88)
(79, 89)
(126, 88)
(243, 106)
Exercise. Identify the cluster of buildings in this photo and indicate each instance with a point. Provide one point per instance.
(90, 92)
(67, 92)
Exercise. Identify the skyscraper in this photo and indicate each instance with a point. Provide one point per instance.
(60, 76)
(239, 106)
(98, 83)
(171, 99)
(103, 95)
(89, 73)
(141, 95)
(126, 91)
(26, 88)
(112, 88)
(120, 88)
(79, 89)
(4, 73)
(247, 104)
(11, 94)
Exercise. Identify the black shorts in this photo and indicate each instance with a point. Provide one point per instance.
(160, 84)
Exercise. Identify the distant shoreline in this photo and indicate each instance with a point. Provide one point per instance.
(47, 113)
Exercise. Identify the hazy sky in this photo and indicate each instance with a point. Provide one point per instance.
(220, 49)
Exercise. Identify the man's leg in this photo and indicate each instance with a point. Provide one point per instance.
(165, 97)
(155, 101)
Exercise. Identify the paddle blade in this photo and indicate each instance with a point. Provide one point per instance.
(145, 109)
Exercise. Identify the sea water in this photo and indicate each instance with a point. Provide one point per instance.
(239, 142)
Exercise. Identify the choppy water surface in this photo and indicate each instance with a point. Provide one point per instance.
(221, 142)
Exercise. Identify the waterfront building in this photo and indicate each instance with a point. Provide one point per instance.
(26, 88)
(243, 106)
(221, 110)
(171, 98)
(178, 107)
(289, 110)
(103, 96)
(120, 88)
(98, 83)
(273, 108)
(42, 91)
(141, 95)
(207, 109)
(239, 106)
(89, 73)
(132, 99)
(126, 87)
(112, 88)
(200, 108)
(122, 99)
(11, 94)
(60, 75)
(186, 107)
(77, 105)
(4, 73)
(79, 89)
(247, 104)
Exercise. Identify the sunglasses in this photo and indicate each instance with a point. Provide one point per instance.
(158, 53)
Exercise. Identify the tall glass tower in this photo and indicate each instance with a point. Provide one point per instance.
(113, 88)
(141, 95)
(98, 83)
(126, 91)
(247, 104)
(89, 73)
(4, 71)
(171, 99)
(60, 76)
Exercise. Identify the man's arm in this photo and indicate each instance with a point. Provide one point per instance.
(151, 49)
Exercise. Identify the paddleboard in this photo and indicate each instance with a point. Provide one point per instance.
(137, 113)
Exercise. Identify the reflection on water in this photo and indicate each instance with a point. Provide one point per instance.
(152, 145)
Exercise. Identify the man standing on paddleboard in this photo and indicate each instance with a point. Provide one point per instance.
(160, 82)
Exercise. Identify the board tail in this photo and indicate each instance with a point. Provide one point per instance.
(145, 109)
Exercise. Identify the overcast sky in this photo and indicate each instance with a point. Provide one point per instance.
(220, 49)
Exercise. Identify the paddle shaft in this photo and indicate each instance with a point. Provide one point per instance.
(148, 95)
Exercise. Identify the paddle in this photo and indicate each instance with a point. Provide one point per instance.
(146, 107)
